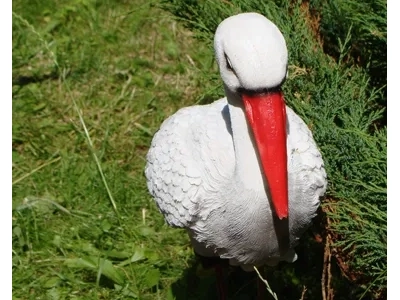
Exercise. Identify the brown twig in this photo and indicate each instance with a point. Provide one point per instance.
(326, 280)
(303, 293)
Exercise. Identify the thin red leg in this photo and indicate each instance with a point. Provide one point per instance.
(222, 288)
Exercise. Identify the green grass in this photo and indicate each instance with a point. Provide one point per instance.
(125, 66)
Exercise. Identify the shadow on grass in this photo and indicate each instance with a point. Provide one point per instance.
(198, 283)
(286, 280)
(298, 280)
(22, 80)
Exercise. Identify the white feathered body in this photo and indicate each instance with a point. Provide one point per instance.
(204, 174)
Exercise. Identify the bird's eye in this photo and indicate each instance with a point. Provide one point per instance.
(228, 63)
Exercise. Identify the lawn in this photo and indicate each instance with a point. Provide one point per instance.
(124, 67)
(92, 82)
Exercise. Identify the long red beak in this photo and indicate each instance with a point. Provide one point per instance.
(266, 114)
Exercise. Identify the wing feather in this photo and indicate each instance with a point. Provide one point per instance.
(184, 154)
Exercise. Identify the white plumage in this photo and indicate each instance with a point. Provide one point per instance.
(203, 169)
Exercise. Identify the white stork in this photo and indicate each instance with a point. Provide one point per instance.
(242, 175)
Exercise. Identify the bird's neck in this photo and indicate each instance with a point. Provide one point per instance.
(247, 167)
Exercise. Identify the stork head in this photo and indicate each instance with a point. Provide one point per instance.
(251, 53)
(252, 58)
